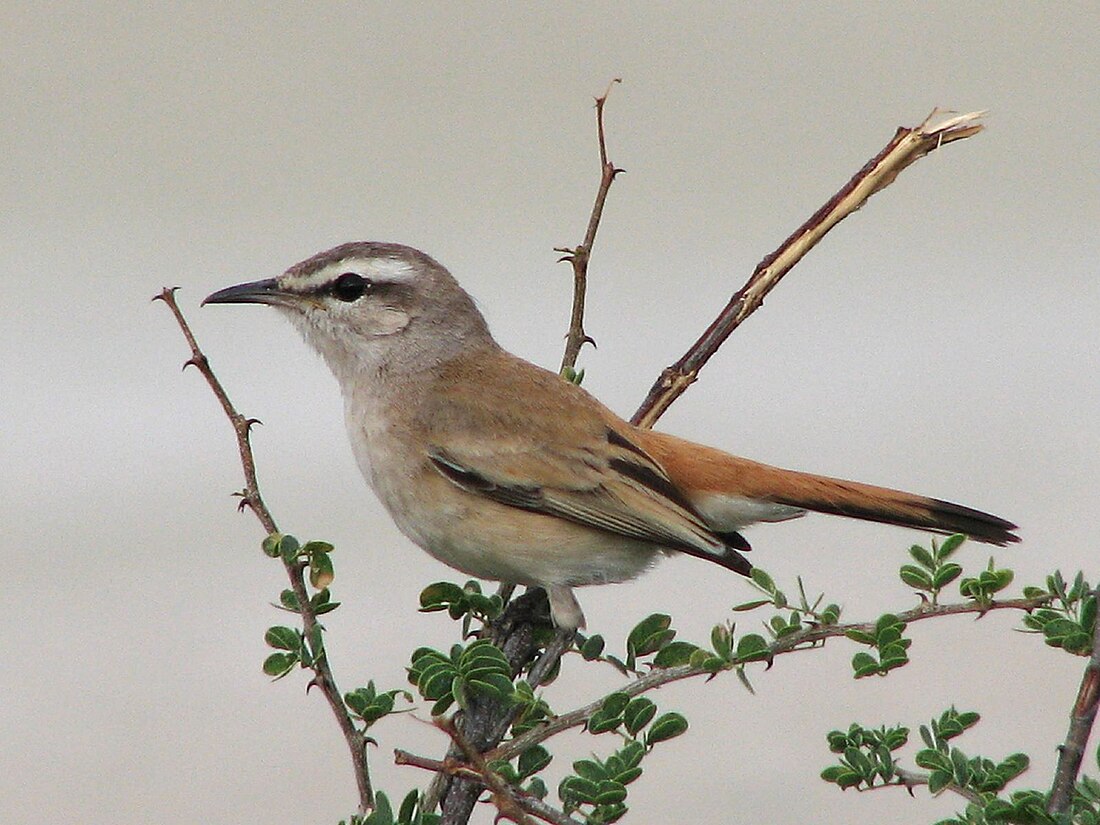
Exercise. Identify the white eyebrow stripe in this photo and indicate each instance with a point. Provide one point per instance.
(380, 270)
(392, 270)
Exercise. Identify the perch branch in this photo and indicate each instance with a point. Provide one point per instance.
(907, 146)
(250, 497)
(579, 256)
(804, 640)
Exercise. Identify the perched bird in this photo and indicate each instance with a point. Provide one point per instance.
(505, 471)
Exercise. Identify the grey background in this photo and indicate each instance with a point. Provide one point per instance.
(942, 340)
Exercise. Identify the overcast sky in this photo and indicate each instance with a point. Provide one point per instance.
(942, 340)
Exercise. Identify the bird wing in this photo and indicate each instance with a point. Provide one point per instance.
(561, 453)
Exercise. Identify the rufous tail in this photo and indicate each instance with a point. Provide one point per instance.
(704, 470)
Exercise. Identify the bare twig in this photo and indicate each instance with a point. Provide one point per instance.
(804, 640)
(907, 146)
(579, 256)
(250, 497)
(1081, 719)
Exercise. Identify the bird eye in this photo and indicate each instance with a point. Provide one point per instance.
(350, 286)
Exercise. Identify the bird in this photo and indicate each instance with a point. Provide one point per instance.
(508, 472)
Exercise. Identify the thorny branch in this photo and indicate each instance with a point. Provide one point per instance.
(578, 256)
(250, 497)
(805, 640)
(451, 767)
(1081, 719)
(907, 146)
(910, 779)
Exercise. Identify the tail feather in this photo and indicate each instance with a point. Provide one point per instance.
(886, 506)
(709, 472)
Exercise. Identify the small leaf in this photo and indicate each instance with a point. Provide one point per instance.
(321, 572)
(650, 634)
(950, 545)
(439, 596)
(289, 600)
(937, 781)
(946, 574)
(721, 639)
(922, 557)
(279, 664)
(592, 648)
(752, 647)
(745, 606)
(675, 653)
(283, 638)
(638, 714)
(533, 760)
(762, 580)
(666, 726)
(915, 577)
(289, 548)
(864, 664)
(270, 545)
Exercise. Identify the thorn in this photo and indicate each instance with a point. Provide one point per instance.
(165, 294)
(588, 339)
(615, 170)
(196, 361)
(312, 683)
(250, 422)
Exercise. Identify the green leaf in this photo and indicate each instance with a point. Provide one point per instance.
(638, 714)
(289, 600)
(577, 789)
(440, 596)
(270, 545)
(721, 639)
(283, 638)
(831, 614)
(289, 548)
(762, 580)
(950, 545)
(650, 634)
(675, 653)
(592, 647)
(937, 781)
(382, 813)
(860, 636)
(666, 726)
(752, 647)
(610, 792)
(922, 557)
(533, 760)
(946, 574)
(589, 769)
(915, 577)
(864, 664)
(279, 664)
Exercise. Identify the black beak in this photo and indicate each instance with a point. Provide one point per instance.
(255, 292)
